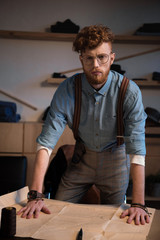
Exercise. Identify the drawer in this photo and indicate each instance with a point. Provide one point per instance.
(11, 137)
(31, 132)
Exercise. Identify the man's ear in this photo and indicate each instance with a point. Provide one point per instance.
(80, 58)
(113, 55)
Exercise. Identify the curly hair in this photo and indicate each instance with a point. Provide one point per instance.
(91, 37)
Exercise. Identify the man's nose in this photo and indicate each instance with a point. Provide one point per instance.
(95, 62)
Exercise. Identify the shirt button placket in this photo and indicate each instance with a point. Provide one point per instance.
(96, 122)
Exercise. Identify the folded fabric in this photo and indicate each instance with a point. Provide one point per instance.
(8, 112)
(153, 114)
(149, 29)
(65, 27)
(117, 68)
(58, 75)
(156, 76)
(45, 113)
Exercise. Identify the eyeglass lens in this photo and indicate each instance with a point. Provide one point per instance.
(102, 58)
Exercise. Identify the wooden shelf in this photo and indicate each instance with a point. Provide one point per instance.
(152, 130)
(56, 81)
(152, 133)
(37, 35)
(70, 37)
(133, 39)
(147, 84)
(141, 84)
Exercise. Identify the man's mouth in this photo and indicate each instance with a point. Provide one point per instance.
(96, 73)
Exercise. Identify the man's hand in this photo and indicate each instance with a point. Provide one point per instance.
(137, 214)
(33, 208)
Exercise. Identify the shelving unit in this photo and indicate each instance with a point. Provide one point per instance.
(48, 36)
(29, 131)
(147, 84)
(152, 130)
(140, 83)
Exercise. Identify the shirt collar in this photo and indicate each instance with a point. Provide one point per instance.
(90, 90)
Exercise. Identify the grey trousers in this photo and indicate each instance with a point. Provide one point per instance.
(108, 170)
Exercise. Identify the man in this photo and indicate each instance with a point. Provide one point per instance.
(102, 162)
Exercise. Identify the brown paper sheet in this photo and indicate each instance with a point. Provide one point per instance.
(99, 222)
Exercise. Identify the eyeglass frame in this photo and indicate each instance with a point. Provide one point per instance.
(98, 60)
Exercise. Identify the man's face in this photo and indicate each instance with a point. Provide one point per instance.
(96, 64)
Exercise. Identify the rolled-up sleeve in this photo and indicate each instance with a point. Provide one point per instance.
(134, 122)
(60, 114)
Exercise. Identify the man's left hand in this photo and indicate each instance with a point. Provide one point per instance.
(137, 214)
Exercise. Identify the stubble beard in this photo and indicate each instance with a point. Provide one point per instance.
(96, 80)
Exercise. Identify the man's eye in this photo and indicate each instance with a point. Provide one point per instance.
(101, 57)
(89, 58)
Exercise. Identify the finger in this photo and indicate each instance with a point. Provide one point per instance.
(38, 208)
(147, 218)
(37, 212)
(130, 218)
(124, 214)
(137, 218)
(29, 215)
(21, 210)
(25, 213)
(43, 207)
(29, 210)
(46, 210)
(142, 219)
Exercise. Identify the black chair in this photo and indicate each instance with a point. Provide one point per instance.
(13, 171)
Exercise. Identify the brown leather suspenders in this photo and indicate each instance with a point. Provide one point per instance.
(120, 124)
(77, 108)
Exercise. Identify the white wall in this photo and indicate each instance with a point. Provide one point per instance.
(25, 65)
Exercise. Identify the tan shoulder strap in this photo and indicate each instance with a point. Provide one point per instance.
(120, 124)
(77, 107)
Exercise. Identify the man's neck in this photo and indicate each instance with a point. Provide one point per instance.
(97, 87)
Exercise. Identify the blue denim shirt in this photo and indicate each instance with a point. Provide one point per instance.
(98, 121)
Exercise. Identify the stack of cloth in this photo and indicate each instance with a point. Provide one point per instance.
(8, 112)
(152, 29)
(153, 117)
(65, 27)
(117, 68)
(156, 76)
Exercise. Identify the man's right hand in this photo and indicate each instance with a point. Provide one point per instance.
(33, 208)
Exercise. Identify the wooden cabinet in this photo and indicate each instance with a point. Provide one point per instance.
(19, 139)
(31, 132)
(11, 137)
(153, 155)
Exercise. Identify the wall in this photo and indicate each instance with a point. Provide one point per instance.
(25, 65)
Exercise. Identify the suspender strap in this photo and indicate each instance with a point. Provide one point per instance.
(77, 107)
(120, 124)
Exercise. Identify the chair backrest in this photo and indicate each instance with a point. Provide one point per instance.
(12, 173)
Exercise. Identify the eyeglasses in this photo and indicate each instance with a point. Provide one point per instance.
(101, 59)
